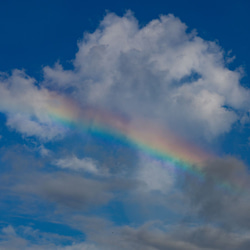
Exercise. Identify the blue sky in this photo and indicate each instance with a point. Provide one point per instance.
(32, 30)
(124, 125)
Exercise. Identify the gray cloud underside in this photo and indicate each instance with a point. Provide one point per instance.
(229, 210)
(155, 235)
(229, 206)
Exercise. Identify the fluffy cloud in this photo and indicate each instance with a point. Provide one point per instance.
(158, 72)
(74, 163)
(26, 106)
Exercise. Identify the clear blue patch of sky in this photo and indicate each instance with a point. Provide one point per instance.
(237, 143)
(38, 33)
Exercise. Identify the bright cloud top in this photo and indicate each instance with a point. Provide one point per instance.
(159, 71)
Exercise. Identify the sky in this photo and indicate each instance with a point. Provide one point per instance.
(124, 125)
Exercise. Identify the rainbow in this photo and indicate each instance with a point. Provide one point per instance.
(149, 138)
(142, 135)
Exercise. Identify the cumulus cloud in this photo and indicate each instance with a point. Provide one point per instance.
(159, 71)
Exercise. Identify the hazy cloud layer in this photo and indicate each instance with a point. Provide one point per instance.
(149, 236)
(65, 189)
(157, 235)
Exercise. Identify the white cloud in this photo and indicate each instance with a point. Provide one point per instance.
(155, 175)
(158, 71)
(27, 106)
(25, 125)
(74, 163)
